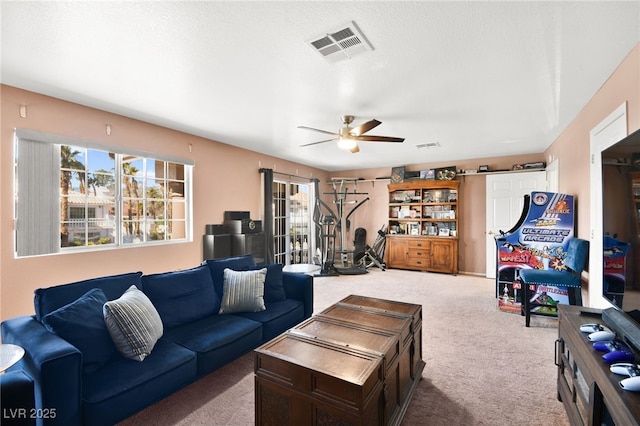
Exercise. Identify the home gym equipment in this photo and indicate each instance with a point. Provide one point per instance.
(366, 256)
(333, 228)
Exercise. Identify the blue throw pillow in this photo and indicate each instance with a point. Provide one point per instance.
(182, 296)
(81, 323)
(49, 299)
(273, 286)
(237, 263)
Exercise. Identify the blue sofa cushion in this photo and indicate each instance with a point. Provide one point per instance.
(123, 386)
(217, 339)
(243, 291)
(133, 323)
(182, 296)
(278, 317)
(237, 263)
(49, 299)
(212, 332)
(81, 323)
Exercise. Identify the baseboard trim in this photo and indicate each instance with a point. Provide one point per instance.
(475, 274)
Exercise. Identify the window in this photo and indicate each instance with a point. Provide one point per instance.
(87, 197)
(82, 213)
(72, 194)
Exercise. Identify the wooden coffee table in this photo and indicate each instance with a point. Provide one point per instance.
(357, 362)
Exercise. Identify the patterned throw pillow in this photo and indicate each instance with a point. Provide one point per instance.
(243, 291)
(133, 323)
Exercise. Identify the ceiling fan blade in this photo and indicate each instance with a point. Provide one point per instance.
(316, 143)
(365, 127)
(355, 149)
(371, 138)
(318, 130)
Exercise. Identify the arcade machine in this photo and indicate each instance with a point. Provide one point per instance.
(539, 240)
(615, 269)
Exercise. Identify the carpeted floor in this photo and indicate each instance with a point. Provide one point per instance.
(483, 367)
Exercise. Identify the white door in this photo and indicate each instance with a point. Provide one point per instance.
(505, 201)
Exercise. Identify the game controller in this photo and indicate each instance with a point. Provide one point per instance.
(616, 351)
(592, 328)
(630, 384)
(625, 369)
(601, 336)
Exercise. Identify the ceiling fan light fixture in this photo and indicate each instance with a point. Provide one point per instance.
(347, 143)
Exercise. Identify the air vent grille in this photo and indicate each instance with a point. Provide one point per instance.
(323, 42)
(342, 43)
(342, 34)
(428, 145)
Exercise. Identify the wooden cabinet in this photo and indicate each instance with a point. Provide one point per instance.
(422, 253)
(424, 226)
(588, 390)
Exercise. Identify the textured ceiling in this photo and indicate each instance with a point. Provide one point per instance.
(479, 78)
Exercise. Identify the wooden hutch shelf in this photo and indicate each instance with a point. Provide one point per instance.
(423, 226)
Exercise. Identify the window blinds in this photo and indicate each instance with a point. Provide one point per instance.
(38, 208)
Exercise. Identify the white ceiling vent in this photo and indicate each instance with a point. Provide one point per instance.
(342, 43)
(428, 145)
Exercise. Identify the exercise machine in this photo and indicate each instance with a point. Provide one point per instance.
(326, 235)
(333, 228)
(366, 256)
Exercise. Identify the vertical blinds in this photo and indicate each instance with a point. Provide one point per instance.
(38, 211)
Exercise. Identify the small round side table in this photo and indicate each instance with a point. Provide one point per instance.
(9, 355)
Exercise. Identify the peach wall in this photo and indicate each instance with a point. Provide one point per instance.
(572, 147)
(472, 198)
(225, 178)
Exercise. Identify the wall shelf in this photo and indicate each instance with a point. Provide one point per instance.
(500, 172)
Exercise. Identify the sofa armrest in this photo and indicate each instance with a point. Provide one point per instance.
(300, 287)
(55, 366)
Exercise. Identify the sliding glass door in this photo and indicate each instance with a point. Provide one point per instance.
(293, 222)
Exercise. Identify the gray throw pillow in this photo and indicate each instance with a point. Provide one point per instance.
(133, 323)
(243, 291)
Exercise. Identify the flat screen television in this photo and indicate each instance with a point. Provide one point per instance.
(620, 219)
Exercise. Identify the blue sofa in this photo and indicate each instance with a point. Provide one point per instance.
(91, 382)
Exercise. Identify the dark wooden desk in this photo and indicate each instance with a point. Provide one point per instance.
(588, 390)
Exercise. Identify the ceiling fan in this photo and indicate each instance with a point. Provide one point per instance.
(348, 137)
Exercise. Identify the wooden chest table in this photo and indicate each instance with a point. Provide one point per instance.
(352, 364)
(415, 311)
(306, 381)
